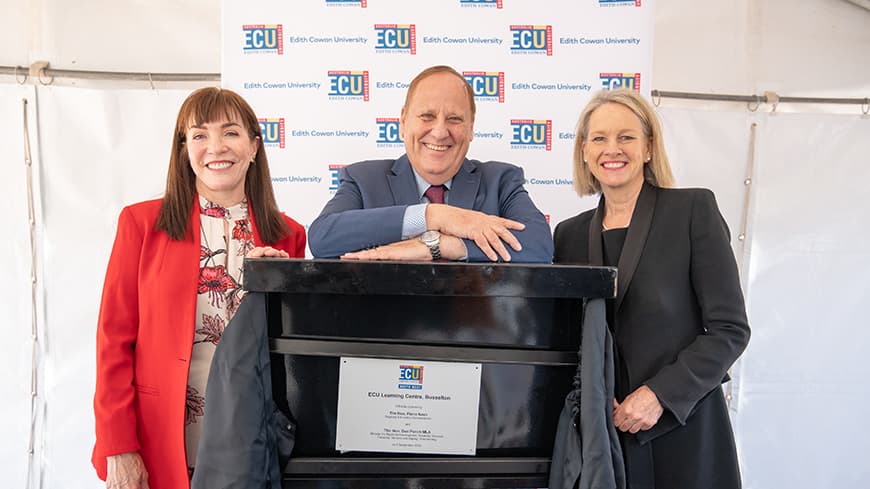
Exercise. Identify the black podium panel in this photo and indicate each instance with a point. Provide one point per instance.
(496, 321)
(519, 406)
(521, 322)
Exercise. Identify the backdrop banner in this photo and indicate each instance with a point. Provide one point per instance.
(328, 79)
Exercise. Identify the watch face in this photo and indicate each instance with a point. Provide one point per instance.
(430, 236)
(432, 239)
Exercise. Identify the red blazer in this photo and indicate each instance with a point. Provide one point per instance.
(144, 342)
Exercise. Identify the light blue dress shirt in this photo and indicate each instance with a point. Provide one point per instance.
(414, 222)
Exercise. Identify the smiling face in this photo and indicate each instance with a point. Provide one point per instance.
(220, 153)
(437, 125)
(616, 148)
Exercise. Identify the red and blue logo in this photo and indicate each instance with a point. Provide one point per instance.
(612, 81)
(532, 134)
(263, 38)
(486, 85)
(388, 132)
(349, 85)
(481, 3)
(334, 173)
(273, 131)
(346, 3)
(411, 377)
(532, 39)
(619, 3)
(396, 38)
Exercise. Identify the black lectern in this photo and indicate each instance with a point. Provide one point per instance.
(521, 322)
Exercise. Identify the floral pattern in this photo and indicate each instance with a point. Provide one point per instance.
(226, 237)
(211, 209)
(194, 406)
(242, 232)
(215, 281)
(211, 330)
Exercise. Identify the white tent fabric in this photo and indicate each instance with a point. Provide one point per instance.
(803, 373)
(15, 289)
(804, 376)
(799, 388)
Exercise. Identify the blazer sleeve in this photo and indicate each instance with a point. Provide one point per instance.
(117, 329)
(345, 225)
(294, 243)
(514, 203)
(703, 364)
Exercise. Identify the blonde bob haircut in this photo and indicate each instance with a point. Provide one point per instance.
(656, 172)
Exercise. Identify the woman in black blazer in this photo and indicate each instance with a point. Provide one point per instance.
(678, 319)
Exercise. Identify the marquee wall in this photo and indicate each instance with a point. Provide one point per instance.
(799, 390)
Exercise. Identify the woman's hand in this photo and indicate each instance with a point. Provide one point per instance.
(639, 411)
(126, 471)
(268, 252)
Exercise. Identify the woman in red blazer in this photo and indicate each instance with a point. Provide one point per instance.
(678, 319)
(172, 285)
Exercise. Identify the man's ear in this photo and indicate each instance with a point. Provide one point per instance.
(402, 123)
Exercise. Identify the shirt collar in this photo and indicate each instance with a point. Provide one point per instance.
(423, 185)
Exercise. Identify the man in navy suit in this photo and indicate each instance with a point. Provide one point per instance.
(433, 202)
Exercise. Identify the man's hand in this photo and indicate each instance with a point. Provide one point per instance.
(127, 471)
(409, 250)
(489, 233)
(639, 411)
(452, 248)
(268, 252)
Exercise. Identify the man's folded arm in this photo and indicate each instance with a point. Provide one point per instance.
(515, 204)
(332, 235)
(345, 226)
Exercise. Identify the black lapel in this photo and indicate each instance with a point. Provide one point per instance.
(596, 248)
(638, 230)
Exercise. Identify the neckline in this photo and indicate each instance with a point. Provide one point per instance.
(605, 228)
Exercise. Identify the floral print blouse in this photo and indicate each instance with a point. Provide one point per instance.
(225, 239)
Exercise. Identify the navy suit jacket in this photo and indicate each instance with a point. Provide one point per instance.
(369, 206)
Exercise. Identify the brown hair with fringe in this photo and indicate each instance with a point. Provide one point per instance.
(203, 106)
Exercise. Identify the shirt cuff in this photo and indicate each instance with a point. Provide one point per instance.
(465, 247)
(414, 221)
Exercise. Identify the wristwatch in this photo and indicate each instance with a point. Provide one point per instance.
(432, 239)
